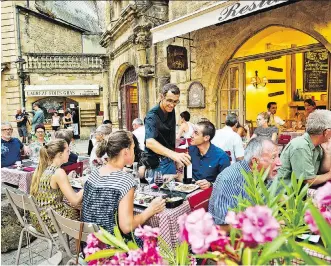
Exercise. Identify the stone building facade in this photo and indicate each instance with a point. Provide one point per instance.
(56, 53)
(215, 50)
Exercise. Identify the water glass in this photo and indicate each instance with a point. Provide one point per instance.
(171, 186)
(149, 175)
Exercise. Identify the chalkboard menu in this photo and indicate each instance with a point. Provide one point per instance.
(176, 57)
(315, 70)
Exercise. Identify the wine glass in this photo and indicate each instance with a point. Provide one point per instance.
(158, 179)
(171, 186)
(149, 175)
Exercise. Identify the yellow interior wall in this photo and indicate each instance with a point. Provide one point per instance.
(257, 98)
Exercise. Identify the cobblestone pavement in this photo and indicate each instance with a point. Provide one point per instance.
(39, 249)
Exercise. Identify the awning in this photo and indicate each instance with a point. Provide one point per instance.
(61, 90)
(215, 14)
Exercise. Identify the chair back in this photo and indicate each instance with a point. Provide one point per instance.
(27, 203)
(284, 139)
(78, 167)
(71, 228)
(200, 200)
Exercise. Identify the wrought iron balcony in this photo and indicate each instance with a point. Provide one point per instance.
(46, 62)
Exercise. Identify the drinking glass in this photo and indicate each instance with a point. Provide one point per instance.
(158, 179)
(171, 186)
(149, 175)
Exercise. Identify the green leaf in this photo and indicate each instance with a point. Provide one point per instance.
(315, 247)
(105, 253)
(230, 262)
(117, 234)
(270, 249)
(247, 256)
(132, 245)
(303, 255)
(183, 253)
(114, 240)
(103, 239)
(323, 226)
(207, 255)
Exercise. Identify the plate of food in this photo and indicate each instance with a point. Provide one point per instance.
(75, 183)
(180, 187)
(143, 199)
(174, 202)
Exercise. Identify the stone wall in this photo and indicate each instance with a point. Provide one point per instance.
(215, 45)
(42, 36)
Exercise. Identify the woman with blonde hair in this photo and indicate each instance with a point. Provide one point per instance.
(50, 183)
(263, 129)
(101, 134)
(109, 191)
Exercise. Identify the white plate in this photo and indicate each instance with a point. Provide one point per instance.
(139, 197)
(75, 184)
(185, 188)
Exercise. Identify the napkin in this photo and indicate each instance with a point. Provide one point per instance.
(29, 169)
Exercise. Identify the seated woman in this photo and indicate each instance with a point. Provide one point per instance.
(244, 133)
(263, 130)
(68, 136)
(310, 106)
(40, 141)
(101, 134)
(109, 191)
(50, 183)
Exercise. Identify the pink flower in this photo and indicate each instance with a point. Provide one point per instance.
(257, 224)
(323, 195)
(198, 229)
(309, 219)
(92, 240)
(147, 232)
(221, 242)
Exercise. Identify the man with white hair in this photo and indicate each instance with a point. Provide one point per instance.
(139, 132)
(310, 154)
(10, 147)
(230, 183)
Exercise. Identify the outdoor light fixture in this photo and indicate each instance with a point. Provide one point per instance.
(256, 81)
(22, 75)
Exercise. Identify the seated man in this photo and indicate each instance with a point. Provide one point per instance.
(230, 183)
(67, 135)
(207, 159)
(274, 120)
(228, 140)
(310, 154)
(10, 147)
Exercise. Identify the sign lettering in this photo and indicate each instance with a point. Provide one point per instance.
(245, 7)
(177, 57)
(82, 92)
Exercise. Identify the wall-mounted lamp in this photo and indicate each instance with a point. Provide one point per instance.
(256, 81)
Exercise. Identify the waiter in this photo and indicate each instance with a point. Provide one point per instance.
(160, 134)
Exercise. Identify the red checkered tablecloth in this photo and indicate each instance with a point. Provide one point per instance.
(18, 178)
(167, 222)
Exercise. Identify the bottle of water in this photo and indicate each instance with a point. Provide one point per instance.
(136, 175)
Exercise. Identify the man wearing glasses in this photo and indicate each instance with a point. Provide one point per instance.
(310, 154)
(10, 147)
(160, 133)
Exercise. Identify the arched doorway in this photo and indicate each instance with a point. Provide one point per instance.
(274, 65)
(128, 98)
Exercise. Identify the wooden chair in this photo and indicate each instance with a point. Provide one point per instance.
(200, 200)
(78, 167)
(27, 203)
(71, 228)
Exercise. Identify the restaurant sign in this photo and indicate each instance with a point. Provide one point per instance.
(61, 90)
(177, 57)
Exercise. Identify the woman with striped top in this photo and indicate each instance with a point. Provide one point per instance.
(109, 191)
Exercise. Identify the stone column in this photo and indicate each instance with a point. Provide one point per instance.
(106, 89)
(142, 42)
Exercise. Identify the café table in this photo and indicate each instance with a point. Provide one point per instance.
(19, 178)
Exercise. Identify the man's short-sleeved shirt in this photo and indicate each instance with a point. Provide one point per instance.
(208, 166)
(301, 157)
(228, 185)
(10, 151)
(161, 127)
(20, 116)
(228, 140)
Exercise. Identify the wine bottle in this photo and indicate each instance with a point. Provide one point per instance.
(187, 170)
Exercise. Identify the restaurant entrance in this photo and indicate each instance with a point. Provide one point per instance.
(278, 64)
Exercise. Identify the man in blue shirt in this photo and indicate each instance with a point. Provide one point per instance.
(231, 183)
(10, 147)
(38, 117)
(207, 159)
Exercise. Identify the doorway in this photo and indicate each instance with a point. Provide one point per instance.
(128, 99)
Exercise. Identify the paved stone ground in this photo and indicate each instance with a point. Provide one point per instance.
(39, 248)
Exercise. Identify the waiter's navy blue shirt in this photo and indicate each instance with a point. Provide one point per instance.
(208, 166)
(161, 127)
(10, 151)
